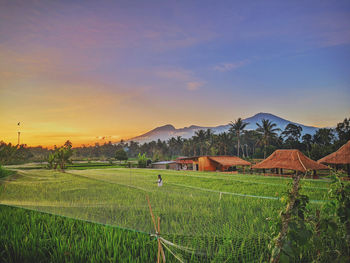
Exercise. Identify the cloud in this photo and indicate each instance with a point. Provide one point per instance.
(194, 85)
(182, 77)
(223, 67)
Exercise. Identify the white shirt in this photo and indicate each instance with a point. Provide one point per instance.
(160, 182)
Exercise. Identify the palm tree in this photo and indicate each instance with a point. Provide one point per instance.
(267, 131)
(237, 128)
(200, 137)
(223, 140)
(208, 140)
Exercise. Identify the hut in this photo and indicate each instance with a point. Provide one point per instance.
(214, 163)
(291, 160)
(165, 165)
(340, 157)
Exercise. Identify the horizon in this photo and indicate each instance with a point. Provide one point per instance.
(102, 140)
(84, 71)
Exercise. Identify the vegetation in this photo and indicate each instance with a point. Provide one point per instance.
(268, 132)
(61, 156)
(4, 172)
(221, 216)
(29, 236)
(142, 160)
(121, 155)
(320, 235)
(237, 128)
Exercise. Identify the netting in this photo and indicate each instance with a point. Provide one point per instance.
(202, 216)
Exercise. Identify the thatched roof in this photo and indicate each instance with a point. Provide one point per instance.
(229, 160)
(289, 159)
(342, 156)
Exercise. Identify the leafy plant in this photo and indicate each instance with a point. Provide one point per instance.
(61, 156)
(321, 234)
(142, 160)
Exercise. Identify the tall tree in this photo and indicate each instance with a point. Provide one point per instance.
(121, 155)
(307, 141)
(292, 134)
(343, 131)
(223, 141)
(208, 140)
(200, 137)
(249, 138)
(237, 128)
(324, 136)
(267, 131)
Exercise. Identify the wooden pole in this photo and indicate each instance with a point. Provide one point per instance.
(159, 245)
(160, 248)
(150, 209)
(157, 230)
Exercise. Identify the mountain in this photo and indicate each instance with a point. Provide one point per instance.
(167, 131)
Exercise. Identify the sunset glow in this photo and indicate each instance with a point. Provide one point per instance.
(99, 71)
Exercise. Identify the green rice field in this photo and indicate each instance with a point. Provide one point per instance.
(204, 216)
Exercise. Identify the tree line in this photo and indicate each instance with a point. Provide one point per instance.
(236, 141)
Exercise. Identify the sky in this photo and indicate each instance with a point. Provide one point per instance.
(94, 71)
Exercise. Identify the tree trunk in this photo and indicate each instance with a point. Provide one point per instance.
(237, 145)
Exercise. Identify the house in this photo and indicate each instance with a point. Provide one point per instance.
(184, 163)
(213, 163)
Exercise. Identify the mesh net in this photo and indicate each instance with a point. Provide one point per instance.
(203, 217)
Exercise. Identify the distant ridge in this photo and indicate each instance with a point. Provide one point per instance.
(167, 131)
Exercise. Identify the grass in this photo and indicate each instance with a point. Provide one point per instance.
(218, 215)
(5, 172)
(29, 236)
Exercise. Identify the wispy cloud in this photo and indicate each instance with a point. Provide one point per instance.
(223, 67)
(194, 85)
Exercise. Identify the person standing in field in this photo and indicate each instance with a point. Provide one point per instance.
(160, 181)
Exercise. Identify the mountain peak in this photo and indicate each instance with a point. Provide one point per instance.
(264, 115)
(167, 127)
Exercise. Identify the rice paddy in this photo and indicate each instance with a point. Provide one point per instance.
(205, 216)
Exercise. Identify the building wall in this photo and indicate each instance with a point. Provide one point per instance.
(172, 166)
(159, 166)
(205, 164)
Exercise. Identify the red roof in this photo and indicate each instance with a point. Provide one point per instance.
(184, 160)
(289, 159)
(229, 160)
(342, 156)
